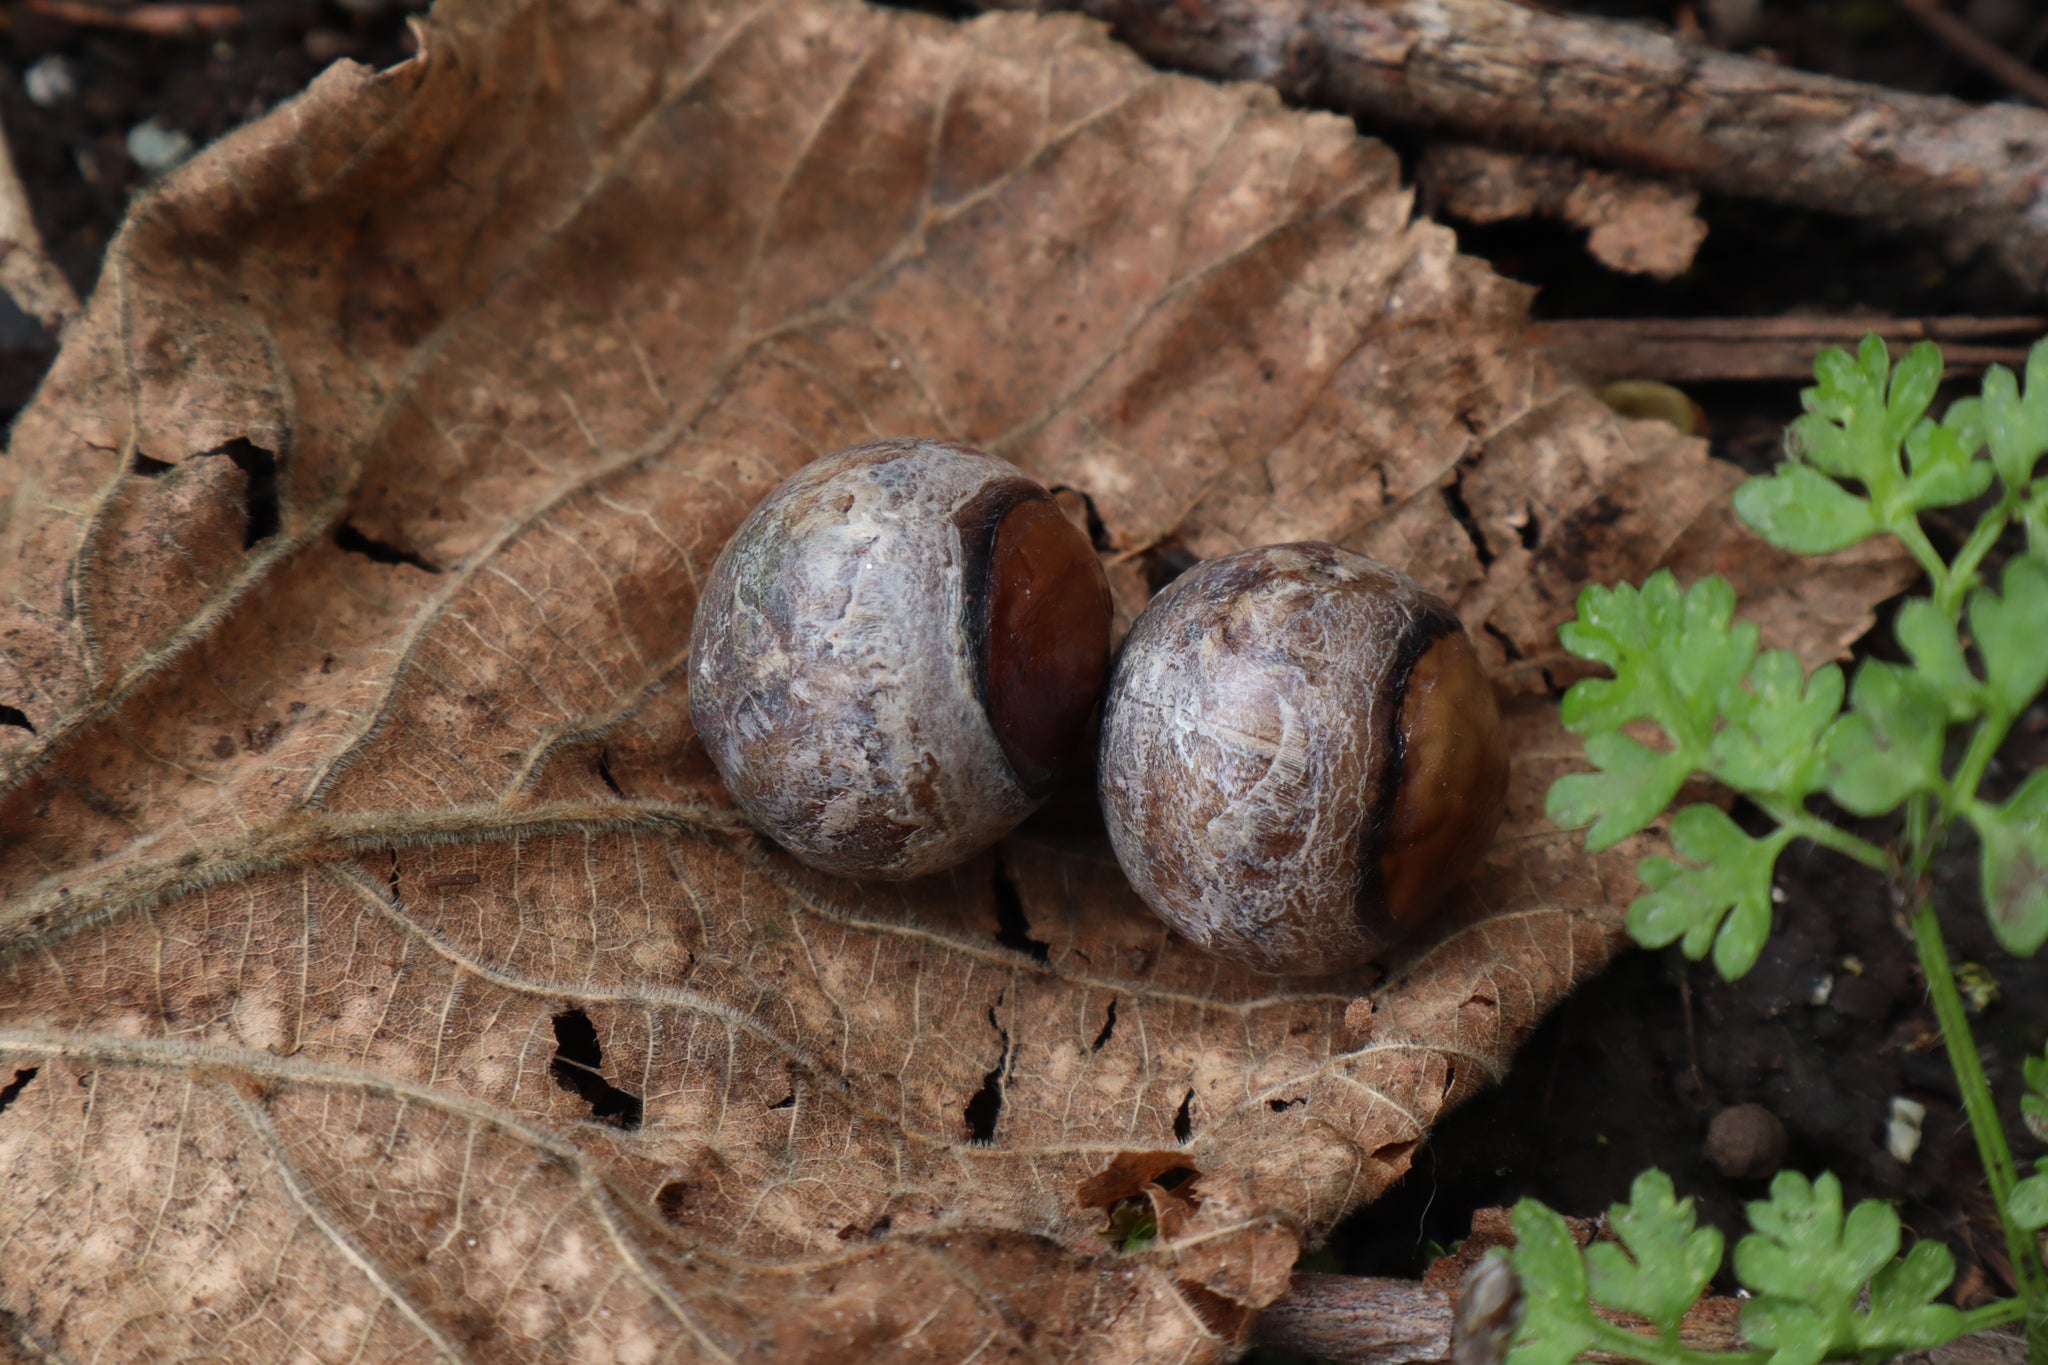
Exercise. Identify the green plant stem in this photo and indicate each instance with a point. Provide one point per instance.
(1990, 733)
(2029, 1275)
(1635, 1346)
(1994, 1315)
(1805, 825)
(1963, 573)
(1919, 841)
(1907, 529)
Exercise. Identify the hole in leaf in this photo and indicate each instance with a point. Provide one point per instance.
(1013, 930)
(14, 1087)
(149, 468)
(1282, 1106)
(1454, 499)
(1128, 1173)
(1132, 1224)
(986, 1106)
(1184, 1121)
(1141, 1192)
(1108, 1027)
(354, 542)
(604, 771)
(854, 1232)
(259, 499)
(1531, 530)
(669, 1199)
(786, 1102)
(17, 718)
(1450, 1079)
(575, 1067)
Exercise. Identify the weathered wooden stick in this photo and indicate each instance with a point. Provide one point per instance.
(1629, 97)
(1353, 1318)
(1362, 1321)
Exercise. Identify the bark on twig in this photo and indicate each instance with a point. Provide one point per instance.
(1361, 1321)
(1355, 1319)
(1631, 98)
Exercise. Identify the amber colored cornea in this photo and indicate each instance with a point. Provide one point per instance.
(1045, 646)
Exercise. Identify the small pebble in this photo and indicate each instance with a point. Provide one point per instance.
(1746, 1142)
(156, 147)
(50, 82)
(1902, 1129)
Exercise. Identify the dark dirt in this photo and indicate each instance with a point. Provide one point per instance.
(1628, 1073)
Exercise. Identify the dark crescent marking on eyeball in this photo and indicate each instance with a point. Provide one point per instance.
(1432, 623)
(978, 520)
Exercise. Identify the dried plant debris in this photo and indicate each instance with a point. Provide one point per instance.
(386, 976)
(1638, 227)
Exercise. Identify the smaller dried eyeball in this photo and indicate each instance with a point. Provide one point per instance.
(1300, 755)
(896, 655)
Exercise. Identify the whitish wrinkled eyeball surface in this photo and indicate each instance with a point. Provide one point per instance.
(896, 655)
(1300, 755)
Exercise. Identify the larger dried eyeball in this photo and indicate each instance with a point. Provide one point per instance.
(896, 655)
(1300, 754)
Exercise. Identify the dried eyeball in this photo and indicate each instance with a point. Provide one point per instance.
(1300, 755)
(896, 655)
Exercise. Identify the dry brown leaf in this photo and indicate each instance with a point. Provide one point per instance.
(385, 976)
(1638, 227)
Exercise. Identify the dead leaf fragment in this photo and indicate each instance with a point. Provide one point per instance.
(1638, 227)
(387, 975)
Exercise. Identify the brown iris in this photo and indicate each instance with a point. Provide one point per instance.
(1454, 780)
(1045, 638)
